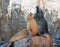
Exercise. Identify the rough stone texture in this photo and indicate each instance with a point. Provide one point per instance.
(10, 26)
(51, 13)
(22, 43)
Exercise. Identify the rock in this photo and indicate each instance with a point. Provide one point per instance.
(56, 39)
(22, 43)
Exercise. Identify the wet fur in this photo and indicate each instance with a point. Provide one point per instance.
(40, 41)
(41, 22)
(32, 25)
(20, 35)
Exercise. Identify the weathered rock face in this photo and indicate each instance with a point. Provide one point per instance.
(10, 26)
(51, 12)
